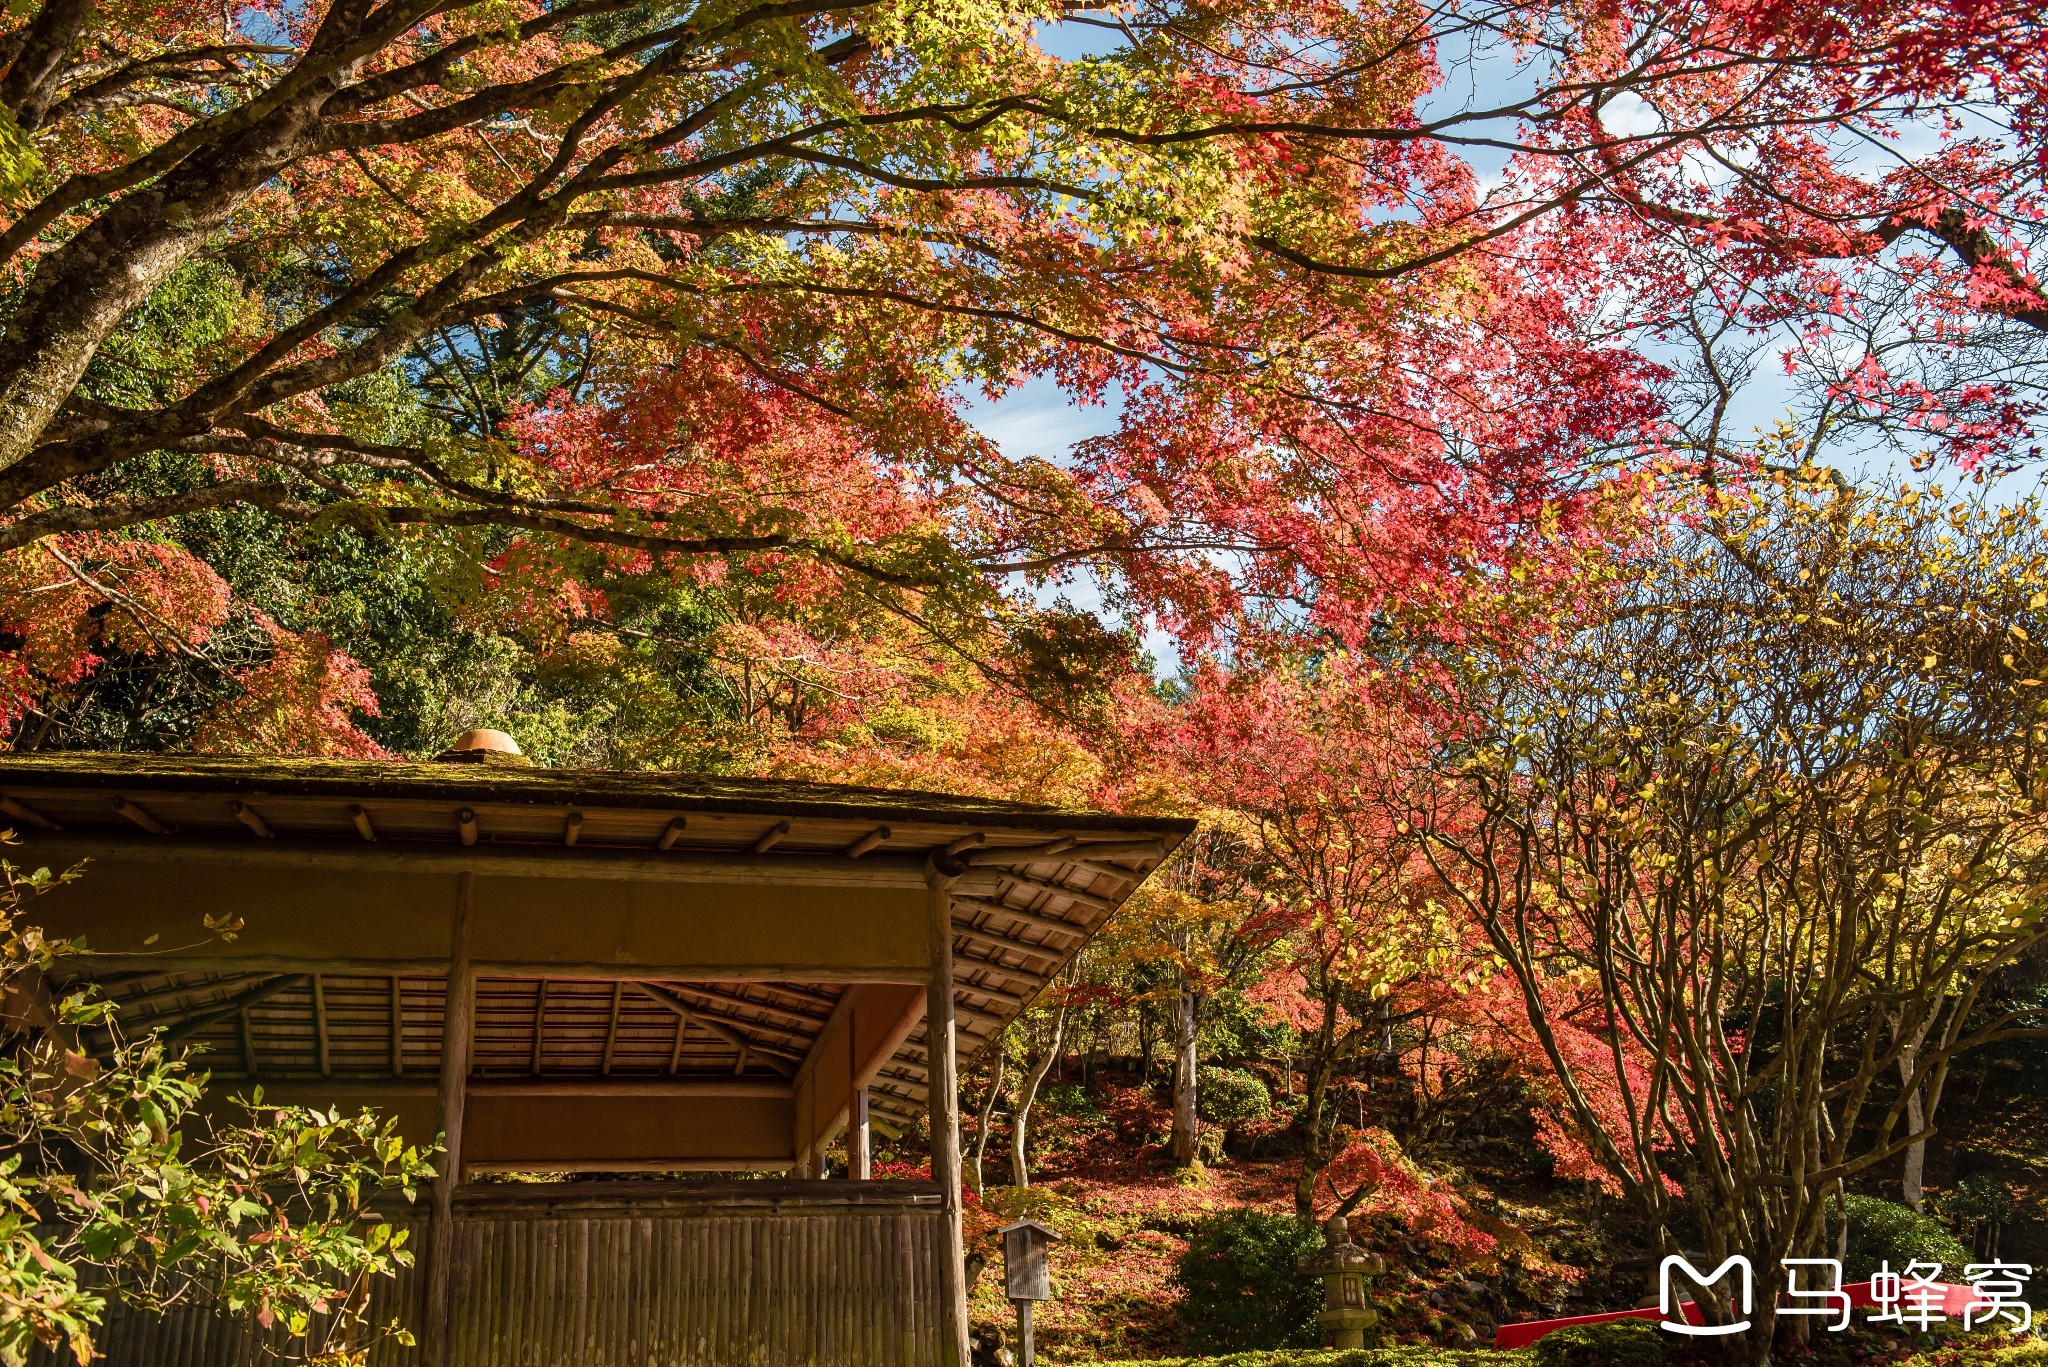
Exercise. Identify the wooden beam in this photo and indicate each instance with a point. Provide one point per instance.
(996, 994)
(465, 825)
(760, 1030)
(21, 811)
(824, 1003)
(320, 1036)
(361, 917)
(251, 818)
(361, 819)
(965, 843)
(675, 1053)
(611, 1030)
(771, 837)
(867, 842)
(1116, 871)
(248, 1045)
(263, 992)
(572, 829)
(397, 1026)
(1006, 943)
(674, 833)
(944, 1108)
(715, 1026)
(141, 816)
(977, 964)
(432, 966)
(607, 1164)
(170, 992)
(539, 861)
(540, 1021)
(450, 1103)
(1084, 897)
(477, 1088)
(1036, 920)
(553, 1133)
(870, 1023)
(860, 1163)
(732, 999)
(1047, 853)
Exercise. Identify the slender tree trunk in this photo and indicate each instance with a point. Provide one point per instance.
(1919, 1114)
(1027, 1096)
(1187, 1015)
(1316, 1081)
(988, 1114)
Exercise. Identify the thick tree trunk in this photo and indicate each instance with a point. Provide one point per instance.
(1027, 1096)
(1187, 1016)
(78, 294)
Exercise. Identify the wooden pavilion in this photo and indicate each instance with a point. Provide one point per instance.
(582, 973)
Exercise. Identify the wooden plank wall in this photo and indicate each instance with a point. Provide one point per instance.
(743, 1274)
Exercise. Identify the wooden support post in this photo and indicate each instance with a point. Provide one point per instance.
(611, 1030)
(540, 1022)
(456, 1022)
(944, 1104)
(397, 1026)
(248, 1042)
(860, 1164)
(320, 1032)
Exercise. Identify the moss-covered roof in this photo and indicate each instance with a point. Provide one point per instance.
(503, 783)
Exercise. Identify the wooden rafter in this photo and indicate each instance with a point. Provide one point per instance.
(262, 992)
(773, 1058)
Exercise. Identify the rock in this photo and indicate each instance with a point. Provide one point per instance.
(986, 1348)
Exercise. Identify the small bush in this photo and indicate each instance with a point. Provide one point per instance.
(2031, 1353)
(1619, 1343)
(1884, 1231)
(1069, 1099)
(1241, 1288)
(1230, 1096)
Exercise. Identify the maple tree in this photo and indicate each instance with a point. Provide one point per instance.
(1209, 920)
(603, 289)
(1314, 767)
(1757, 828)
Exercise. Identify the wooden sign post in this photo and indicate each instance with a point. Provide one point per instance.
(1025, 1277)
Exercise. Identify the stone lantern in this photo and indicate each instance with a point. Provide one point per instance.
(1026, 1279)
(1344, 1268)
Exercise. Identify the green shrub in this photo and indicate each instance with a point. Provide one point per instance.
(1886, 1232)
(1618, 1343)
(1240, 1286)
(1069, 1099)
(1230, 1096)
(2032, 1353)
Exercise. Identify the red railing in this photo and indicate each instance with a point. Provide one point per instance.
(1954, 1301)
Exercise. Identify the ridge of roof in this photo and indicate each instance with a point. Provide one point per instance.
(310, 777)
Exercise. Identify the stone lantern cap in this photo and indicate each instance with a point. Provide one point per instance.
(1339, 1254)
